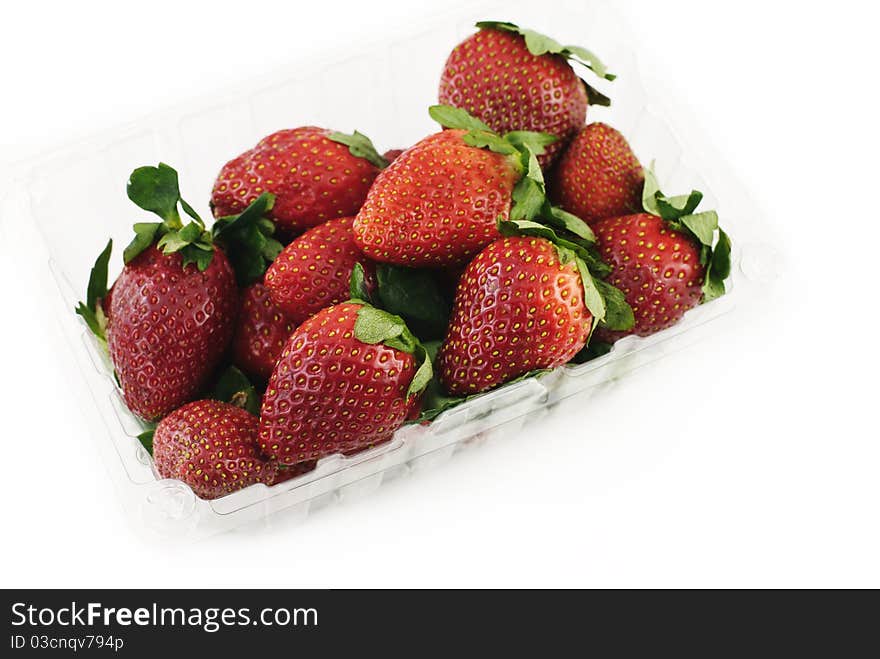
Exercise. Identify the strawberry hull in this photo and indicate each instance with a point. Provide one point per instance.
(64, 191)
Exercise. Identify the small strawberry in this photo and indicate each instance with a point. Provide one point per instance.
(315, 175)
(515, 79)
(212, 447)
(598, 176)
(663, 259)
(260, 333)
(437, 204)
(526, 302)
(171, 315)
(347, 379)
(314, 270)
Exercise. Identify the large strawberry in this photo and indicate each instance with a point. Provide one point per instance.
(314, 270)
(438, 203)
(346, 380)
(598, 175)
(212, 447)
(666, 260)
(260, 332)
(315, 175)
(170, 318)
(516, 79)
(527, 302)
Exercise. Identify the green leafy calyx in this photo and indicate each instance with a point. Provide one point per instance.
(540, 44)
(360, 146)
(91, 310)
(679, 213)
(375, 326)
(156, 189)
(247, 239)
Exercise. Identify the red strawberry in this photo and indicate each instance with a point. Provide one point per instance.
(347, 379)
(172, 311)
(598, 176)
(170, 325)
(212, 447)
(657, 268)
(664, 267)
(260, 334)
(515, 79)
(314, 270)
(391, 154)
(519, 307)
(437, 204)
(315, 175)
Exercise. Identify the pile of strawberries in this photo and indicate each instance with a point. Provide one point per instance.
(340, 293)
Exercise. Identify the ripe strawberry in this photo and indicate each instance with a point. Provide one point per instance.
(515, 79)
(519, 307)
(171, 315)
(314, 270)
(347, 379)
(169, 326)
(598, 176)
(260, 333)
(212, 447)
(663, 259)
(315, 175)
(438, 203)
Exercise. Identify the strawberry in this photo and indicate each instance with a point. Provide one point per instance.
(284, 474)
(526, 302)
(663, 259)
(314, 270)
(212, 447)
(315, 175)
(170, 325)
(260, 332)
(437, 204)
(598, 176)
(171, 315)
(515, 79)
(346, 380)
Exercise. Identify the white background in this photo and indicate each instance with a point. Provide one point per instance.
(751, 460)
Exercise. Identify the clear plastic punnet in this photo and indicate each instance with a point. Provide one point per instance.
(383, 91)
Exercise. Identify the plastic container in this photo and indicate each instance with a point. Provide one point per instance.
(393, 84)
